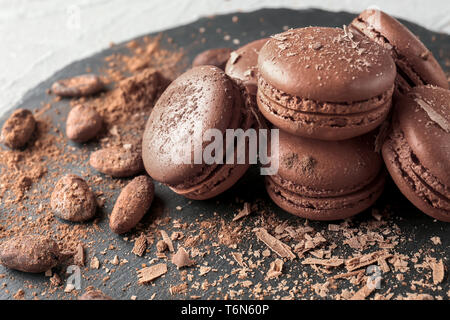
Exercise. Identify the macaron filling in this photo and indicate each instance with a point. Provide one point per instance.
(418, 178)
(321, 207)
(275, 104)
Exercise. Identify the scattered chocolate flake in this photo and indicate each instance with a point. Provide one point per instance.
(280, 248)
(161, 246)
(245, 211)
(204, 270)
(436, 240)
(332, 262)
(79, 256)
(140, 245)
(95, 263)
(181, 258)
(234, 57)
(179, 289)
(365, 260)
(148, 274)
(55, 280)
(238, 257)
(438, 271)
(167, 240)
(363, 293)
(275, 269)
(433, 115)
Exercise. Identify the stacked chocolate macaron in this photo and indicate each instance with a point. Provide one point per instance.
(326, 90)
(330, 93)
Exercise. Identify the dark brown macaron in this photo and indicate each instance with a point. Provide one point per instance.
(201, 99)
(416, 65)
(326, 180)
(214, 57)
(417, 152)
(243, 64)
(324, 83)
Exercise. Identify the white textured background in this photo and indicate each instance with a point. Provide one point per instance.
(39, 37)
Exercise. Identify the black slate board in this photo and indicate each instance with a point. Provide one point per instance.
(418, 227)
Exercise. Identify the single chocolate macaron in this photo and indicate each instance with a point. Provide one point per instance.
(417, 152)
(243, 64)
(213, 57)
(324, 83)
(416, 65)
(202, 101)
(326, 180)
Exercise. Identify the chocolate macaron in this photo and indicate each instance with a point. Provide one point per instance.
(417, 152)
(201, 99)
(213, 57)
(243, 64)
(416, 65)
(326, 180)
(324, 83)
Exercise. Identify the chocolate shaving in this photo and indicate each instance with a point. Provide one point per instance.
(363, 293)
(149, 274)
(383, 265)
(332, 262)
(181, 288)
(365, 260)
(280, 248)
(438, 271)
(95, 264)
(245, 211)
(433, 115)
(275, 269)
(167, 240)
(79, 256)
(348, 274)
(140, 245)
(238, 257)
(234, 57)
(181, 258)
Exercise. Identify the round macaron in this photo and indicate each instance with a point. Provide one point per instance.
(214, 57)
(324, 83)
(326, 180)
(417, 152)
(243, 64)
(416, 65)
(174, 143)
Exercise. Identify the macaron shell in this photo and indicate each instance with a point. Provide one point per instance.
(200, 99)
(219, 181)
(408, 48)
(326, 64)
(416, 190)
(243, 64)
(224, 176)
(326, 209)
(330, 168)
(429, 142)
